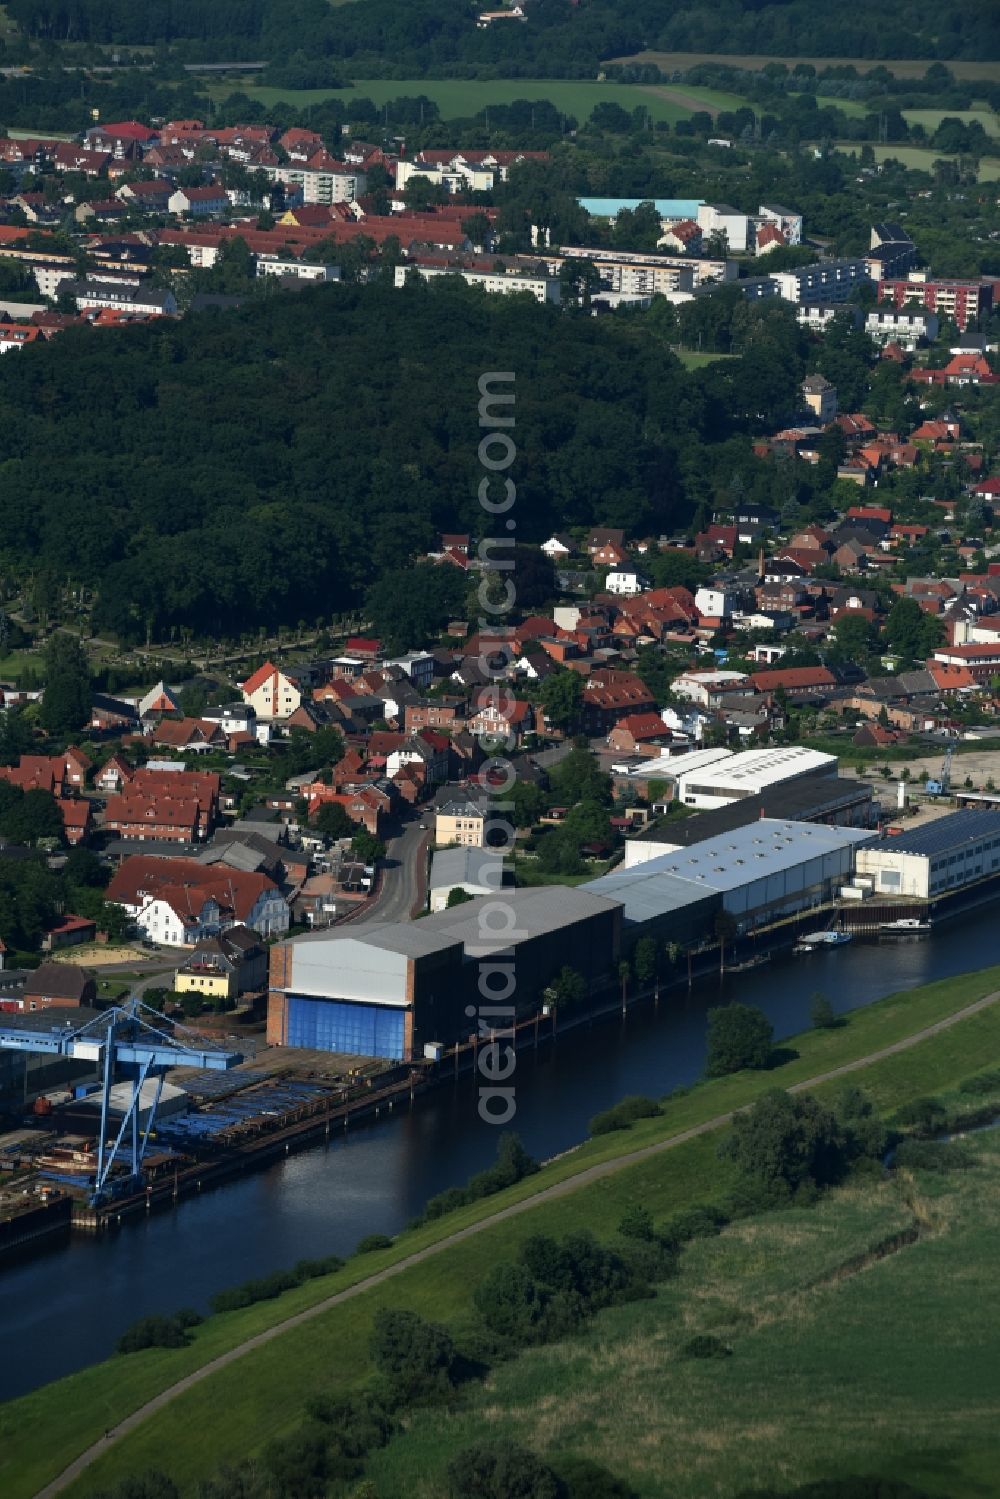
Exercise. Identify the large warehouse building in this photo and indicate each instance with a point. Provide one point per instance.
(943, 856)
(836, 800)
(388, 990)
(759, 874)
(748, 774)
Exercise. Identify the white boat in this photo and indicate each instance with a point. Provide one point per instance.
(905, 926)
(824, 939)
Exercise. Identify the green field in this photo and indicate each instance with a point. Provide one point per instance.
(263, 1395)
(460, 98)
(889, 1370)
(901, 67)
(931, 118)
(692, 359)
(922, 158)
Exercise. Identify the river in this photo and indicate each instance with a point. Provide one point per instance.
(65, 1308)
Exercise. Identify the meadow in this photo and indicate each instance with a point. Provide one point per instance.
(922, 158)
(460, 97)
(842, 1361)
(900, 67)
(263, 1395)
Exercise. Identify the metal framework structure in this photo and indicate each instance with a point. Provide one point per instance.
(120, 1039)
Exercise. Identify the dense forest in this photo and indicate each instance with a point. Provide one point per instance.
(269, 465)
(560, 39)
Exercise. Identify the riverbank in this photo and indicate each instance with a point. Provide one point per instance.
(262, 1396)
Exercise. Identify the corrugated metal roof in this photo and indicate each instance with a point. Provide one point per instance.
(467, 866)
(766, 847)
(971, 825)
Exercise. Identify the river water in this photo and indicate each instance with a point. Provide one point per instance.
(65, 1308)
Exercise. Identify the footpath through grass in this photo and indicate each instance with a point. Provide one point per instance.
(263, 1394)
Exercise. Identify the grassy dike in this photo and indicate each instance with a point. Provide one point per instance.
(239, 1408)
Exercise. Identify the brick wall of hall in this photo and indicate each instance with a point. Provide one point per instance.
(279, 977)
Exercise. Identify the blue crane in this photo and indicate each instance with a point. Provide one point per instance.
(120, 1038)
(941, 786)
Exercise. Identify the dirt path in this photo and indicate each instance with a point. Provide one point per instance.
(547, 1194)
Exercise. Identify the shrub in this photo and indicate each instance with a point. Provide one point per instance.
(304, 1270)
(583, 1479)
(636, 1223)
(693, 1223)
(703, 1345)
(416, 1358)
(371, 1242)
(158, 1332)
(925, 1114)
(501, 1471)
(822, 1014)
(624, 1114)
(932, 1155)
(512, 1164)
(738, 1036)
(981, 1084)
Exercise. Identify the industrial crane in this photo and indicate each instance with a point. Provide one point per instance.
(123, 1039)
(942, 785)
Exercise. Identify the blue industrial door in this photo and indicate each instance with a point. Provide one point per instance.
(336, 1025)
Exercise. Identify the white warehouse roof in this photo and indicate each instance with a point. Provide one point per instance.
(671, 767)
(718, 866)
(749, 773)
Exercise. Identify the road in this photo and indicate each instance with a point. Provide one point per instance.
(403, 888)
(547, 1194)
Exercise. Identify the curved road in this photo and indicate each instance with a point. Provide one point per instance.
(547, 1194)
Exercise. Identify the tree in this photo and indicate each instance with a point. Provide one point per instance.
(66, 700)
(569, 988)
(578, 777)
(644, 959)
(501, 1471)
(527, 803)
(411, 605)
(508, 1303)
(738, 1036)
(562, 694)
(333, 822)
(416, 1357)
(785, 1141)
(457, 896)
(822, 1014)
(367, 847)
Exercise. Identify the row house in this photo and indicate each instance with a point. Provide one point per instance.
(146, 818)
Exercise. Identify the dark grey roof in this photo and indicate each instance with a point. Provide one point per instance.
(795, 801)
(956, 831)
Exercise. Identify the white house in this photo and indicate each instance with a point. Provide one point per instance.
(626, 582)
(706, 687)
(715, 602)
(271, 692)
(558, 546)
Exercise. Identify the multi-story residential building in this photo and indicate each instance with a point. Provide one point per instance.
(460, 820)
(507, 278)
(788, 220)
(326, 181)
(827, 281)
(959, 300)
(128, 295)
(638, 273)
(904, 326)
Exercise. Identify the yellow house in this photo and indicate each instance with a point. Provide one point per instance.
(223, 967)
(208, 981)
(461, 822)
